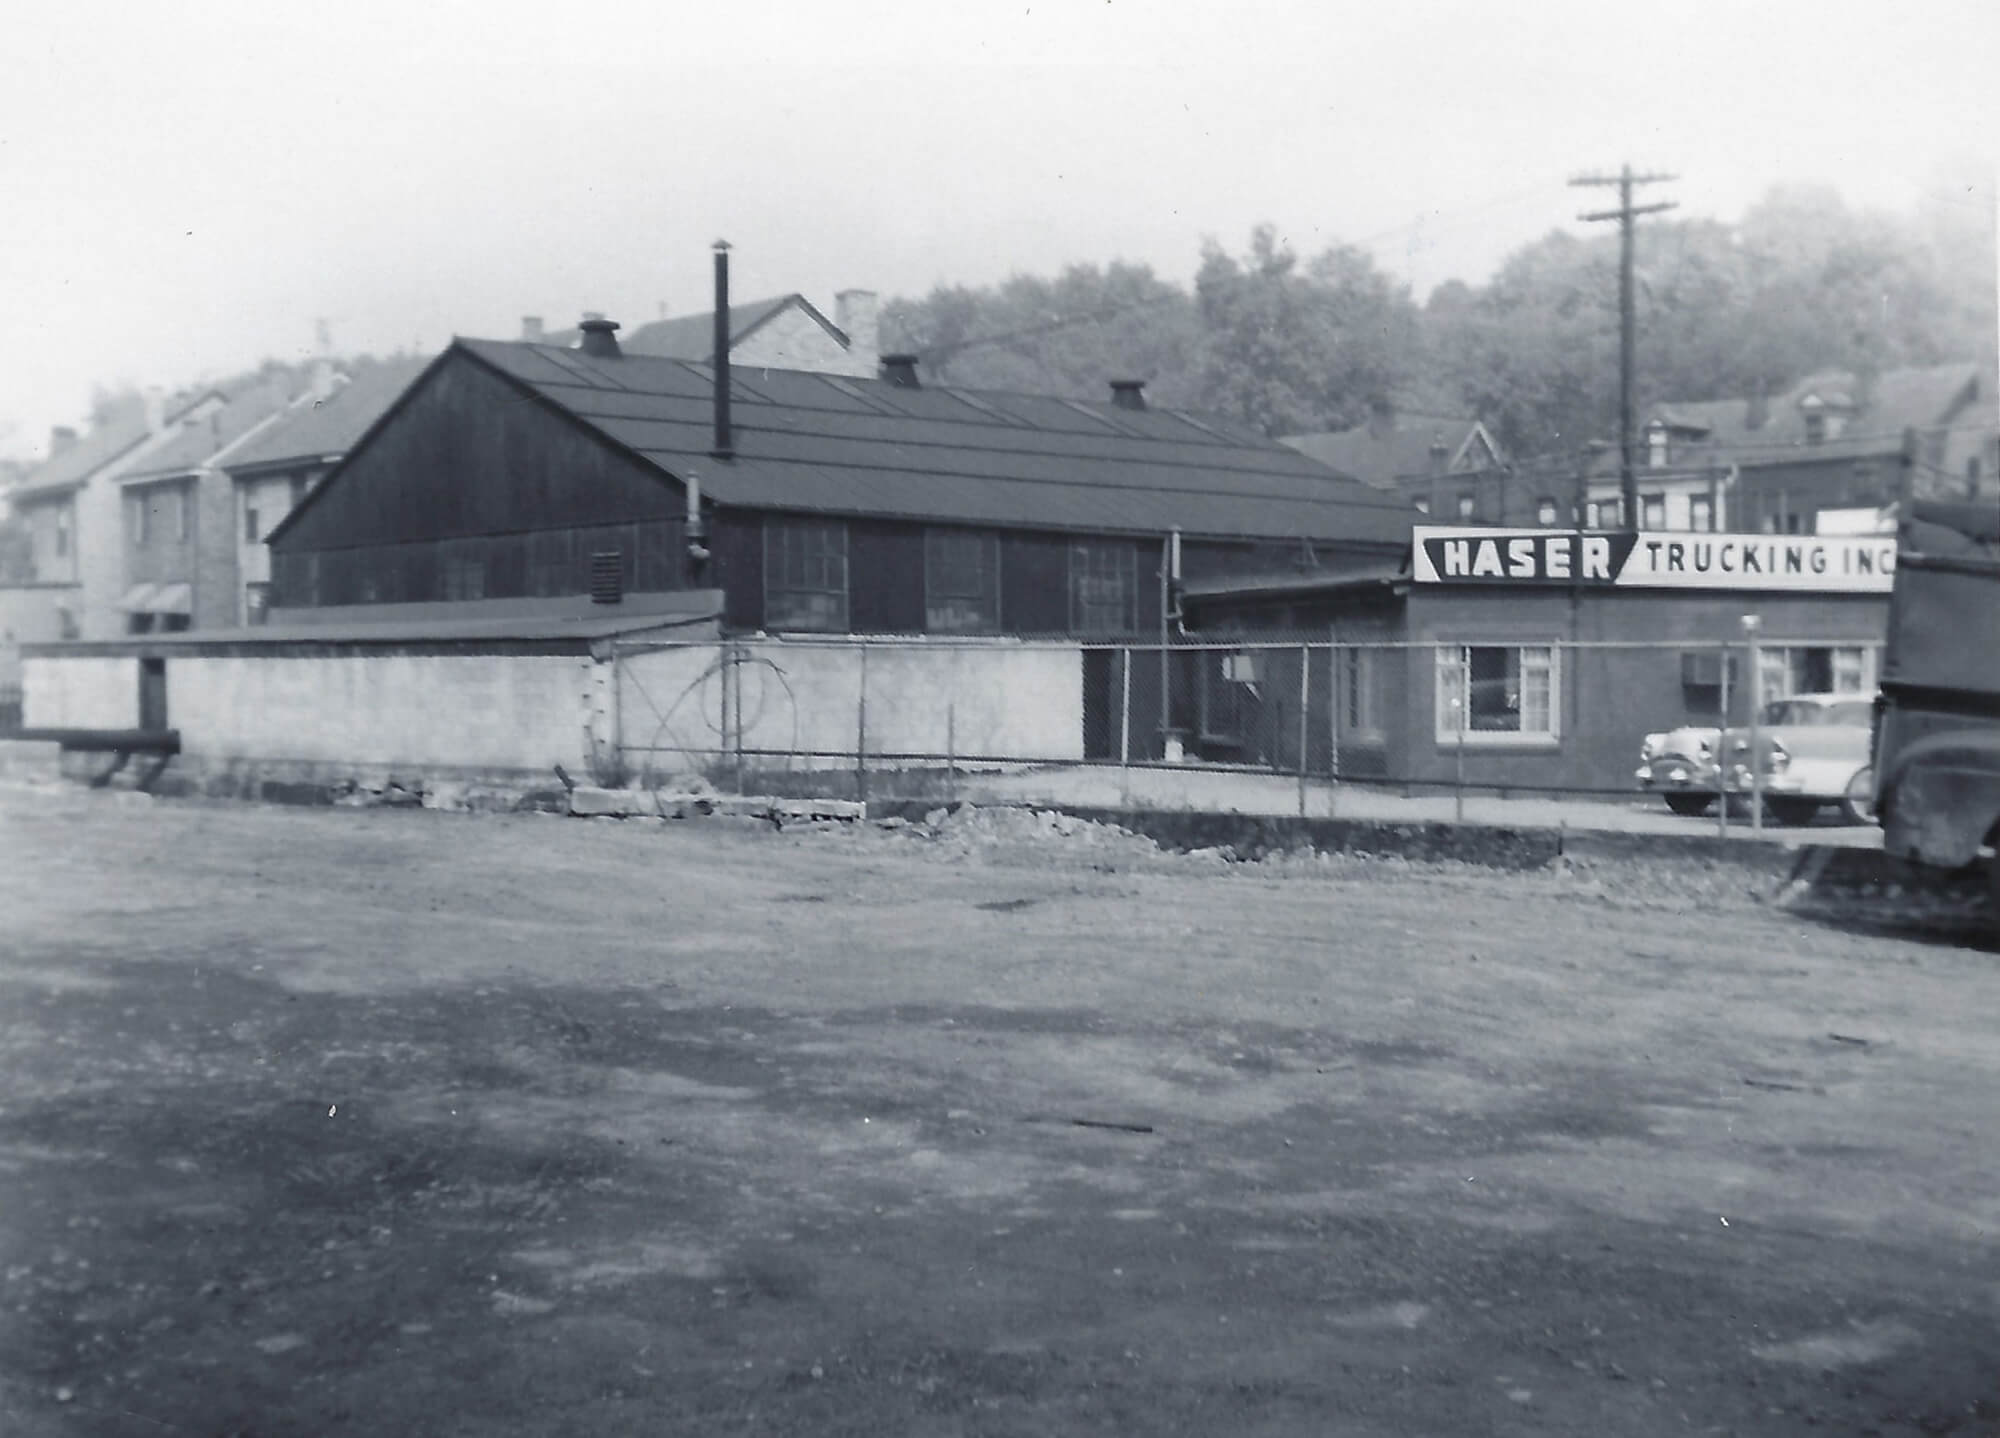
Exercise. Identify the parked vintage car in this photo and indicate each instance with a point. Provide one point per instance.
(1813, 752)
(1679, 765)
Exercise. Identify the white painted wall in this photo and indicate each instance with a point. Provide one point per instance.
(479, 711)
(476, 711)
(76, 692)
(1000, 700)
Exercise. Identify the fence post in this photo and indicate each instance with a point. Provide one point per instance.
(1751, 624)
(1333, 724)
(1722, 754)
(1463, 702)
(861, 733)
(1125, 730)
(1305, 716)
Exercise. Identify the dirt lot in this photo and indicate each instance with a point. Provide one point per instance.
(324, 1122)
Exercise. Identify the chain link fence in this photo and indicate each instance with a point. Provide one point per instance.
(1276, 723)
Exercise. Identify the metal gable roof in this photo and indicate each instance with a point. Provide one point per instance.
(865, 447)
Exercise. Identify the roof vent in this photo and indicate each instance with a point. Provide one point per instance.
(1128, 393)
(607, 577)
(600, 338)
(901, 371)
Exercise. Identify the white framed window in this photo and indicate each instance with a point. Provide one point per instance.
(1787, 669)
(1701, 513)
(62, 532)
(1499, 694)
(1545, 510)
(1468, 506)
(1653, 511)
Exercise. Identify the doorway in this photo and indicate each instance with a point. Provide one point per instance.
(153, 694)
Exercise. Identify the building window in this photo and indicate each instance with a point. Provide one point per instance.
(461, 572)
(141, 519)
(1605, 514)
(805, 574)
(139, 622)
(1656, 447)
(1815, 427)
(256, 603)
(1468, 505)
(1653, 511)
(62, 532)
(183, 513)
(1103, 587)
(301, 487)
(252, 531)
(961, 581)
(1361, 692)
(1497, 694)
(1785, 670)
(1545, 510)
(1701, 513)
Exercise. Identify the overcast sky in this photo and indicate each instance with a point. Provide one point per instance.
(190, 187)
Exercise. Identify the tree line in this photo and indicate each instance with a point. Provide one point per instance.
(1288, 344)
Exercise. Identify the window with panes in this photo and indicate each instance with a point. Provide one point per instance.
(1103, 587)
(961, 581)
(1492, 693)
(805, 574)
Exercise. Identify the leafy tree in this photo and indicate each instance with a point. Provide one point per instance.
(1291, 349)
(1066, 336)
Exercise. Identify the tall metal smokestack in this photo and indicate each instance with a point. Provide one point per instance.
(725, 445)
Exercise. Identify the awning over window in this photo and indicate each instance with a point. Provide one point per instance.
(158, 599)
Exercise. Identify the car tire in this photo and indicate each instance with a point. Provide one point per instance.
(1790, 812)
(1857, 805)
(1690, 806)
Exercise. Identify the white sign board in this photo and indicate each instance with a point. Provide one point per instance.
(1824, 564)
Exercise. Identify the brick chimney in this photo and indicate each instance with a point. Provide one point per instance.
(60, 439)
(859, 315)
(1381, 417)
(900, 370)
(1758, 413)
(531, 329)
(1128, 393)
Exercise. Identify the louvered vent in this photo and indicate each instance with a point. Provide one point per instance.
(607, 577)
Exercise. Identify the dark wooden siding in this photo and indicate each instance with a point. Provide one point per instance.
(1034, 584)
(465, 455)
(885, 577)
(736, 544)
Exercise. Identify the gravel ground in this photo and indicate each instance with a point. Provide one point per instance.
(380, 1122)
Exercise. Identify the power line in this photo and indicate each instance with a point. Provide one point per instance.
(1626, 214)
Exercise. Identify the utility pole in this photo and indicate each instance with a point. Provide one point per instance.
(1625, 214)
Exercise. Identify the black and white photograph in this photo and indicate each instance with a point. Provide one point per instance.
(1026, 717)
